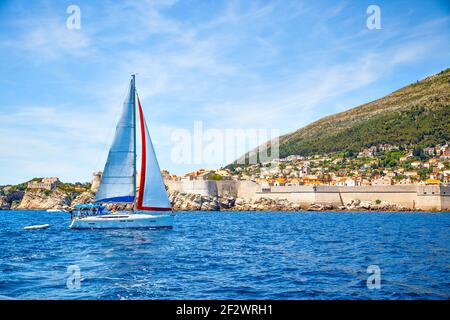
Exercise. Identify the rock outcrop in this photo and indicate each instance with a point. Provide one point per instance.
(321, 207)
(44, 199)
(4, 204)
(83, 198)
(265, 204)
(188, 201)
(358, 205)
(10, 198)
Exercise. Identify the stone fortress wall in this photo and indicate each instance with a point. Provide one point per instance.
(429, 197)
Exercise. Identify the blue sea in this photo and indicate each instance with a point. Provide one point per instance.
(229, 255)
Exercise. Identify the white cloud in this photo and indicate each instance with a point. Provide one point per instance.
(54, 141)
(49, 41)
(318, 86)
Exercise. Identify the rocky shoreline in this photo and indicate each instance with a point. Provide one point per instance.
(11, 199)
(57, 199)
(190, 202)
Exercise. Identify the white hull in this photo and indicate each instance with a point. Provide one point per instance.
(56, 210)
(124, 220)
(37, 227)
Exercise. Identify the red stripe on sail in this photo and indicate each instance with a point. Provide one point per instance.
(139, 205)
(154, 209)
(143, 160)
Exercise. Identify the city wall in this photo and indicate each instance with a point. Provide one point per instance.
(430, 197)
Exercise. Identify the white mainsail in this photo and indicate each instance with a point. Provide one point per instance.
(152, 192)
(118, 182)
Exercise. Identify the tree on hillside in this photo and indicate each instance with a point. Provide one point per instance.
(418, 152)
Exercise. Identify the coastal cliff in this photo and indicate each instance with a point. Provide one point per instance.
(20, 197)
(57, 199)
(10, 197)
(44, 199)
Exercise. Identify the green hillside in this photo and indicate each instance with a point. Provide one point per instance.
(416, 115)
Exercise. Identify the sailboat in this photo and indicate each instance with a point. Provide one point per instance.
(151, 207)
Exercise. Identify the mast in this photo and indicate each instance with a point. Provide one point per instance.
(133, 80)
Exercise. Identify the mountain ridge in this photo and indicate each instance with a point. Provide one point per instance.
(415, 115)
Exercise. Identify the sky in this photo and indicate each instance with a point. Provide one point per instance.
(272, 66)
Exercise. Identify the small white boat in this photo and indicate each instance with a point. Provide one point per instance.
(151, 205)
(36, 227)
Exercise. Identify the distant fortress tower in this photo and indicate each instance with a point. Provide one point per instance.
(96, 178)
